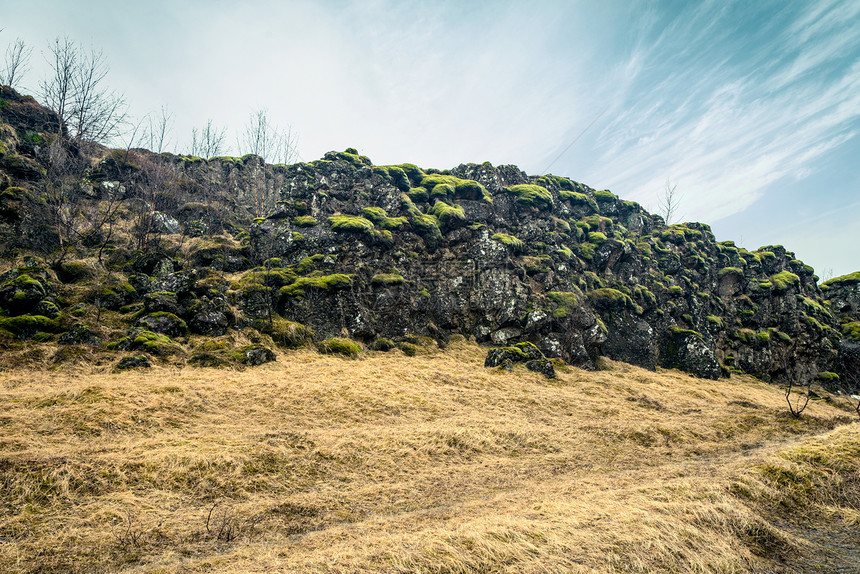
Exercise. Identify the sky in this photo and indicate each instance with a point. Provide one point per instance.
(752, 109)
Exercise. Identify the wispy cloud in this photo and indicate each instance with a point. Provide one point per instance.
(726, 128)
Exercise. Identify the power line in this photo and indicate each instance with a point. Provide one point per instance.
(576, 139)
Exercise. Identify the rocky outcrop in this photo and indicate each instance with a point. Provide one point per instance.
(385, 253)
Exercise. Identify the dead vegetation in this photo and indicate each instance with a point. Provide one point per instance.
(420, 464)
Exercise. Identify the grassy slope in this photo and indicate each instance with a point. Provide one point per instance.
(424, 464)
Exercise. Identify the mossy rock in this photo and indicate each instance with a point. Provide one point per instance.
(350, 224)
(304, 221)
(383, 344)
(380, 218)
(610, 299)
(463, 188)
(565, 302)
(322, 283)
(21, 294)
(80, 334)
(133, 362)
(340, 346)
(529, 195)
(784, 280)
(843, 281)
(418, 195)
(164, 323)
(74, 272)
(386, 279)
(514, 243)
(252, 355)
(28, 326)
(286, 333)
(449, 216)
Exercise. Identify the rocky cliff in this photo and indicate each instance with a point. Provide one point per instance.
(141, 252)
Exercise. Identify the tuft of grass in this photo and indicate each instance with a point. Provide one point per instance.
(340, 346)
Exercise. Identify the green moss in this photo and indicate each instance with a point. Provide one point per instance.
(287, 333)
(297, 237)
(386, 279)
(322, 282)
(424, 225)
(564, 301)
(463, 188)
(340, 346)
(596, 237)
(851, 331)
(381, 220)
(564, 252)
(731, 271)
(350, 224)
(844, 280)
(608, 299)
(577, 199)
(418, 194)
(716, 321)
(763, 336)
(783, 280)
(510, 241)
(685, 332)
(442, 192)
(274, 277)
(26, 326)
(308, 264)
(447, 215)
(532, 195)
(304, 221)
(605, 196)
(676, 290)
(780, 335)
(827, 377)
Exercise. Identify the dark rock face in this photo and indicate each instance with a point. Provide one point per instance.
(134, 362)
(80, 334)
(387, 252)
(255, 355)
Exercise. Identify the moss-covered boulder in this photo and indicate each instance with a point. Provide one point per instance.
(210, 316)
(526, 353)
(164, 323)
(133, 362)
(80, 334)
(28, 326)
(20, 294)
(340, 346)
(253, 355)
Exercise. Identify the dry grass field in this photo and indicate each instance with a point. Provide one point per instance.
(427, 464)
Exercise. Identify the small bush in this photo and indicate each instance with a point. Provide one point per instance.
(340, 346)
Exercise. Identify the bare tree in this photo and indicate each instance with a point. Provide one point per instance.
(669, 202)
(160, 127)
(273, 144)
(75, 91)
(208, 142)
(16, 61)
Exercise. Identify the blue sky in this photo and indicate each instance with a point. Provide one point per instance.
(751, 108)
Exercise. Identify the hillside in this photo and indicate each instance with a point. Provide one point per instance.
(214, 261)
(421, 464)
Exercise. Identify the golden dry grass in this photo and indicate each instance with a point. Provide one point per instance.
(423, 464)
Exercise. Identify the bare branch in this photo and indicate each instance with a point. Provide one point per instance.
(16, 63)
(209, 141)
(669, 202)
(75, 92)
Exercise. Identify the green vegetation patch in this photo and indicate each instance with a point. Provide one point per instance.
(304, 221)
(380, 218)
(610, 299)
(530, 195)
(340, 346)
(463, 188)
(510, 241)
(605, 196)
(286, 333)
(424, 225)
(350, 224)
(596, 237)
(851, 331)
(27, 326)
(844, 280)
(564, 301)
(578, 199)
(386, 279)
(447, 215)
(783, 280)
(322, 282)
(418, 194)
(308, 264)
